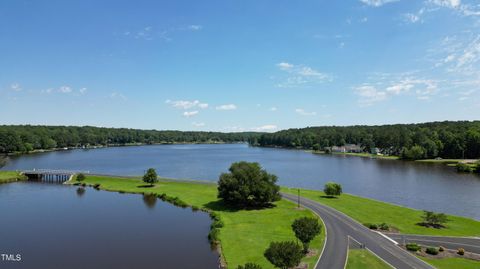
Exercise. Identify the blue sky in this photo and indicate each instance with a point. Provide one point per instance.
(238, 65)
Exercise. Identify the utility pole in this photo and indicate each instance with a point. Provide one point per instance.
(298, 199)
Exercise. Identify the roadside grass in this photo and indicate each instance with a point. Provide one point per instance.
(404, 219)
(450, 263)
(245, 234)
(10, 176)
(363, 259)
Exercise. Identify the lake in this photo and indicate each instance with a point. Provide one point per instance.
(54, 226)
(418, 185)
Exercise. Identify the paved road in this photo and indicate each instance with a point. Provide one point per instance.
(470, 244)
(340, 226)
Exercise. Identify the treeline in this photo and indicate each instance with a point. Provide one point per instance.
(26, 138)
(460, 139)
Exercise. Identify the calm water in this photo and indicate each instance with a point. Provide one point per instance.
(53, 226)
(422, 186)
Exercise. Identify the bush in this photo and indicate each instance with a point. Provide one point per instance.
(371, 226)
(461, 251)
(80, 177)
(248, 185)
(213, 235)
(284, 254)
(249, 266)
(441, 249)
(412, 247)
(432, 219)
(96, 186)
(464, 168)
(432, 251)
(332, 189)
(384, 226)
(217, 224)
(195, 208)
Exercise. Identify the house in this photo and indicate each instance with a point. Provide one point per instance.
(348, 148)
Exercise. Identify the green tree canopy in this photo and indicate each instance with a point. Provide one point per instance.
(150, 176)
(248, 185)
(249, 265)
(332, 189)
(284, 255)
(305, 230)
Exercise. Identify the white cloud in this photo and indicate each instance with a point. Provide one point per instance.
(364, 20)
(369, 95)
(298, 75)
(83, 90)
(185, 104)
(189, 114)
(303, 112)
(377, 3)
(65, 89)
(447, 3)
(226, 107)
(198, 124)
(412, 18)
(117, 95)
(273, 108)
(195, 27)
(265, 128)
(16, 87)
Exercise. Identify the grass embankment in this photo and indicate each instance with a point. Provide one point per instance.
(245, 234)
(404, 219)
(449, 263)
(364, 259)
(367, 155)
(10, 176)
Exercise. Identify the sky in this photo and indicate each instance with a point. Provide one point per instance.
(238, 65)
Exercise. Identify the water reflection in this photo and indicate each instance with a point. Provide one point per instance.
(149, 200)
(80, 191)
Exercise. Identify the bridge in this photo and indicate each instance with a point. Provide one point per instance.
(50, 175)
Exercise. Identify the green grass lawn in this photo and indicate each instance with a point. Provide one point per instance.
(246, 233)
(10, 176)
(369, 155)
(453, 263)
(364, 259)
(404, 219)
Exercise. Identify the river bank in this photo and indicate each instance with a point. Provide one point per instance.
(10, 176)
(245, 233)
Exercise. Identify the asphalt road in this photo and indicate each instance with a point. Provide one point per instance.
(339, 227)
(470, 244)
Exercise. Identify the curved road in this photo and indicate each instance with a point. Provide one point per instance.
(339, 227)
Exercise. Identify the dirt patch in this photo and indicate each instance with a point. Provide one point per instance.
(311, 253)
(302, 265)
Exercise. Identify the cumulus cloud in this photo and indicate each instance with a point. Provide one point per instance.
(298, 75)
(377, 3)
(185, 104)
(273, 109)
(117, 95)
(189, 114)
(195, 27)
(265, 128)
(303, 112)
(82, 90)
(65, 89)
(226, 107)
(16, 87)
(369, 95)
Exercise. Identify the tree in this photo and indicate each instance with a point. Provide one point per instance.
(248, 185)
(332, 189)
(305, 230)
(249, 265)
(284, 254)
(80, 177)
(150, 176)
(434, 219)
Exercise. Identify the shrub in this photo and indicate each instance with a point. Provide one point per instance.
(249, 266)
(213, 235)
(332, 189)
(412, 247)
(461, 251)
(464, 168)
(384, 226)
(434, 219)
(80, 177)
(248, 185)
(371, 226)
(441, 249)
(432, 251)
(284, 254)
(96, 186)
(195, 208)
(217, 224)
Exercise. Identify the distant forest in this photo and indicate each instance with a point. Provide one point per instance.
(459, 139)
(26, 138)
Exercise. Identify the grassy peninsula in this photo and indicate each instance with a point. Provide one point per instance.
(246, 233)
(403, 219)
(10, 176)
